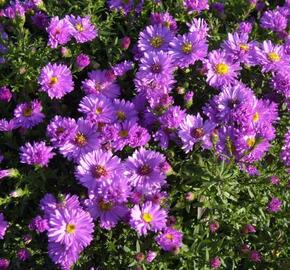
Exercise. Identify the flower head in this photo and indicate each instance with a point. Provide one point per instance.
(56, 80)
(170, 239)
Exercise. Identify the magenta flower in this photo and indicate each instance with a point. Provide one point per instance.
(274, 205)
(4, 264)
(155, 38)
(23, 254)
(221, 70)
(143, 170)
(99, 83)
(56, 80)
(97, 166)
(60, 130)
(71, 227)
(285, 151)
(194, 130)
(148, 217)
(270, 56)
(5, 94)
(82, 61)
(97, 109)
(3, 226)
(59, 32)
(82, 28)
(215, 263)
(170, 239)
(255, 256)
(164, 19)
(195, 5)
(109, 213)
(28, 115)
(84, 140)
(199, 27)
(36, 154)
(187, 49)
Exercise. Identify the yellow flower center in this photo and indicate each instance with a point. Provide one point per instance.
(99, 171)
(156, 42)
(197, 133)
(244, 47)
(105, 206)
(147, 217)
(53, 80)
(222, 69)
(169, 236)
(121, 116)
(256, 117)
(99, 110)
(251, 141)
(187, 48)
(80, 139)
(27, 112)
(166, 24)
(274, 57)
(144, 170)
(70, 228)
(98, 87)
(79, 27)
(123, 133)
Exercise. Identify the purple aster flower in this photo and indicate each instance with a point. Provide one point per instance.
(99, 83)
(219, 8)
(56, 80)
(273, 20)
(122, 68)
(36, 154)
(28, 115)
(109, 213)
(40, 20)
(143, 170)
(274, 205)
(3, 226)
(125, 6)
(155, 68)
(281, 83)
(82, 28)
(82, 61)
(285, 151)
(199, 26)
(23, 254)
(164, 19)
(195, 5)
(150, 256)
(173, 117)
(215, 263)
(148, 217)
(187, 49)
(170, 239)
(138, 136)
(194, 130)
(59, 32)
(60, 130)
(221, 70)
(71, 227)
(63, 256)
(271, 57)
(97, 109)
(4, 264)
(231, 102)
(245, 28)
(238, 46)
(84, 140)
(255, 256)
(124, 110)
(5, 94)
(155, 38)
(39, 224)
(114, 189)
(97, 166)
